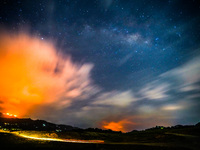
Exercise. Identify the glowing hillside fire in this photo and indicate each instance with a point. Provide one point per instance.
(114, 126)
(9, 115)
(121, 125)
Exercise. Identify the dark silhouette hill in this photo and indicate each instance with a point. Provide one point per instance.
(14, 123)
(159, 137)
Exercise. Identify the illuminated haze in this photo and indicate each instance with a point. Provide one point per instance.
(34, 73)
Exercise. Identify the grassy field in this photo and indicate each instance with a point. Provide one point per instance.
(174, 142)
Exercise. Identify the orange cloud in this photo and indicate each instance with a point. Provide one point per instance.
(33, 73)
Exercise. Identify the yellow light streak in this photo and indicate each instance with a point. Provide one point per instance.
(58, 140)
(62, 140)
(38, 138)
(53, 139)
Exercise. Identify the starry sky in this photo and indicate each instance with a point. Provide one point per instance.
(112, 64)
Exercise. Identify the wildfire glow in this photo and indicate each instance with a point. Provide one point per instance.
(9, 115)
(117, 126)
(33, 73)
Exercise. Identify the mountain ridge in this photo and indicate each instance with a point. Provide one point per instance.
(15, 123)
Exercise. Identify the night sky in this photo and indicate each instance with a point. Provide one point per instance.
(112, 64)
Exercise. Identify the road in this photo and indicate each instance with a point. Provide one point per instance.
(52, 139)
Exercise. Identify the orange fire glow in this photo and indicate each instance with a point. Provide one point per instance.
(28, 78)
(117, 126)
(19, 89)
(9, 115)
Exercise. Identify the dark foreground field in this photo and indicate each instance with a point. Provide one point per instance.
(35, 134)
(8, 140)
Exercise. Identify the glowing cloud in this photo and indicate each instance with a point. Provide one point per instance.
(171, 107)
(33, 73)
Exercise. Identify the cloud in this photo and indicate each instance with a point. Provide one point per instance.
(183, 79)
(187, 74)
(189, 88)
(155, 90)
(176, 92)
(34, 73)
(115, 98)
(171, 107)
(105, 108)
